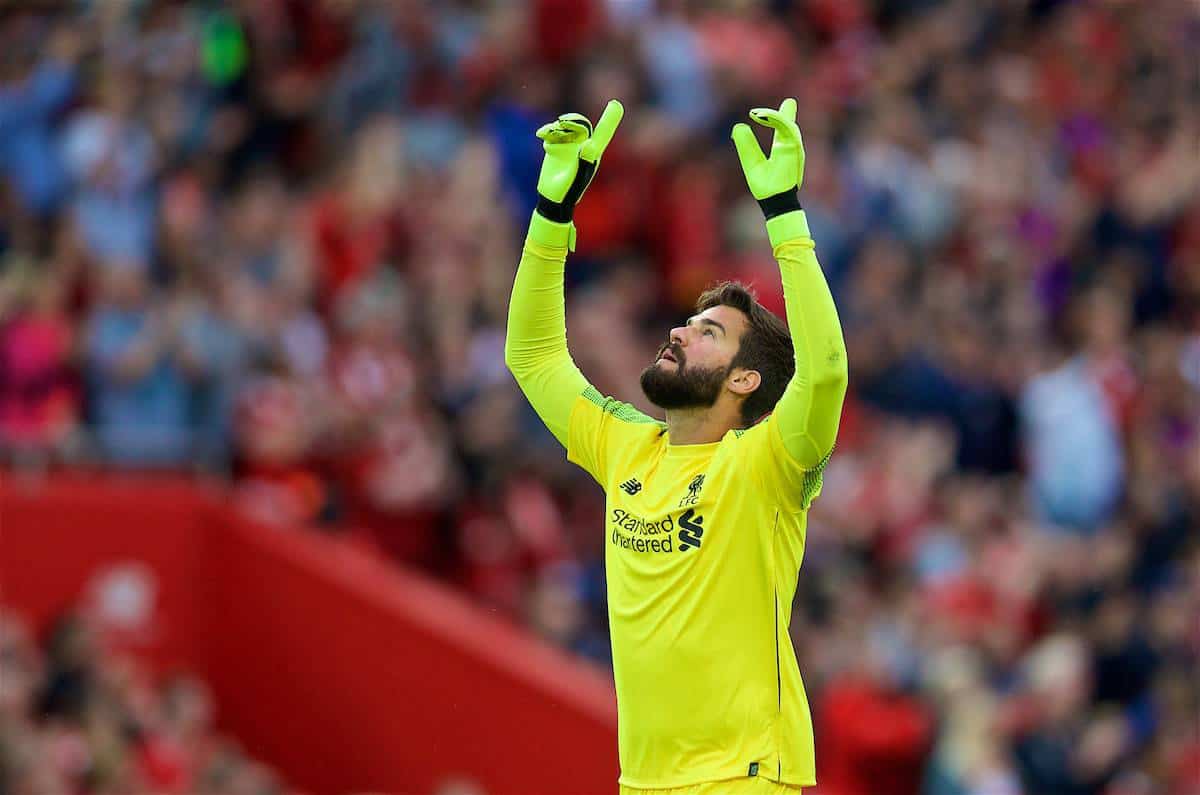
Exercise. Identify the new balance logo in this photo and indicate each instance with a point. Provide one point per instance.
(631, 486)
(691, 528)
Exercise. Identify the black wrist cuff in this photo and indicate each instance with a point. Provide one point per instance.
(564, 211)
(559, 212)
(780, 203)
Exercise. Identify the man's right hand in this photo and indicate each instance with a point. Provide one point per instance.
(773, 180)
(573, 151)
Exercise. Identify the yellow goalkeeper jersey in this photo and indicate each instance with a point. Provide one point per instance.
(703, 542)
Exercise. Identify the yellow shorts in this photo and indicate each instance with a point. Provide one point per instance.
(756, 785)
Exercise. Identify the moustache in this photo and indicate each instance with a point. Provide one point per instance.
(675, 350)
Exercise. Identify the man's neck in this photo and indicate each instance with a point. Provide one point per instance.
(697, 426)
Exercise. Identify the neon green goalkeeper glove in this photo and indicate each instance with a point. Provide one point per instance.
(775, 180)
(573, 153)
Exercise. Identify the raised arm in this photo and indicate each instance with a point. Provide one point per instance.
(535, 348)
(808, 413)
(811, 407)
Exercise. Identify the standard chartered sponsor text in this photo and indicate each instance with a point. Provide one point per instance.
(645, 536)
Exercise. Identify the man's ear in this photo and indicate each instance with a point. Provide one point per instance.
(743, 382)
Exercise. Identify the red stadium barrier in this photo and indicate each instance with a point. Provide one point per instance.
(344, 672)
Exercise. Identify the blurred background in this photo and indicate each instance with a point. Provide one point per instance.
(276, 519)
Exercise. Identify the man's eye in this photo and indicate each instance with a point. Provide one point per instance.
(709, 332)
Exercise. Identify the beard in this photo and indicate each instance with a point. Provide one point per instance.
(683, 387)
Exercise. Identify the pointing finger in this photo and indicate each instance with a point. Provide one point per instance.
(606, 127)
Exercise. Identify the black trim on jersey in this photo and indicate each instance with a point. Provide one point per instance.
(778, 675)
(778, 678)
(778, 687)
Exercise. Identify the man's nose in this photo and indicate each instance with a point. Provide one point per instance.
(679, 335)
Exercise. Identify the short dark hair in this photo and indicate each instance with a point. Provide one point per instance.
(766, 346)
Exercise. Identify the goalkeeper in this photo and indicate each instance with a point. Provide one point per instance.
(706, 512)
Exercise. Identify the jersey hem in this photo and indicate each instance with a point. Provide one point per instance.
(708, 778)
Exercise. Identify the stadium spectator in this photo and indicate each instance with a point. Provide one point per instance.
(32, 102)
(77, 718)
(39, 395)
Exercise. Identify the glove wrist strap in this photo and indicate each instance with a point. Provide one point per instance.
(559, 212)
(564, 211)
(780, 203)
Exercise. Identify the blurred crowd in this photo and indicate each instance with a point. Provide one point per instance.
(77, 718)
(273, 241)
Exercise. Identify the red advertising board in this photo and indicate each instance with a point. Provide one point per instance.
(346, 673)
